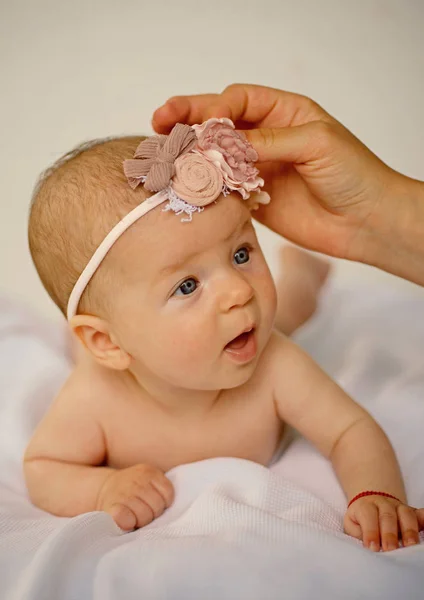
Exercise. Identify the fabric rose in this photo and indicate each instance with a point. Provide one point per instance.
(230, 151)
(196, 180)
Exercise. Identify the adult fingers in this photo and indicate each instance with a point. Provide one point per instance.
(268, 107)
(182, 109)
(300, 144)
(243, 103)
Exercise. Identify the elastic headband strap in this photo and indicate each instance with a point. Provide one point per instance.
(99, 255)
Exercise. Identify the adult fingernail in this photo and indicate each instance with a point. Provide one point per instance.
(391, 546)
(410, 541)
(374, 547)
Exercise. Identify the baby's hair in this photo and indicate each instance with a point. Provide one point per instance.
(75, 203)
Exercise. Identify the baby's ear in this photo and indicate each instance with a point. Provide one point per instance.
(94, 333)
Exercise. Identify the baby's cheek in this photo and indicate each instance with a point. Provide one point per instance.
(189, 344)
(272, 297)
(267, 294)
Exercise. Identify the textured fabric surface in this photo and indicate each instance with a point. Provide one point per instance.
(236, 529)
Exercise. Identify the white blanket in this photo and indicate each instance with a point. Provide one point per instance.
(236, 530)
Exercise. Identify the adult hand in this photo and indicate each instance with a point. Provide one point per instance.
(329, 192)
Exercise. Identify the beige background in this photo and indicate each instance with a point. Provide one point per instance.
(71, 71)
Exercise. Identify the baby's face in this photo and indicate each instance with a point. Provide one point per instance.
(191, 289)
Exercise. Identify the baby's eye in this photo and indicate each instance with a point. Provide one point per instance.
(187, 287)
(242, 255)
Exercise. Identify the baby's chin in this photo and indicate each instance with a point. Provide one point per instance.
(242, 377)
(232, 370)
(225, 379)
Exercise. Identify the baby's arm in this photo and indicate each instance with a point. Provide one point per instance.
(65, 473)
(345, 433)
(62, 461)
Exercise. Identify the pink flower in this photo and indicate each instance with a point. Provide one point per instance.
(230, 151)
(196, 180)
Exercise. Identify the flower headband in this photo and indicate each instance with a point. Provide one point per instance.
(189, 169)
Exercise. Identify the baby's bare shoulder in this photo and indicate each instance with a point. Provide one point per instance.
(262, 383)
(72, 428)
(275, 355)
(277, 363)
(84, 395)
(90, 387)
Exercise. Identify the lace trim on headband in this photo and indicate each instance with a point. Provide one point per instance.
(225, 190)
(179, 206)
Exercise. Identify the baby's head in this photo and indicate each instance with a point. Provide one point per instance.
(169, 295)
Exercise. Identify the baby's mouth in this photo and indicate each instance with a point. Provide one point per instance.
(240, 341)
(243, 348)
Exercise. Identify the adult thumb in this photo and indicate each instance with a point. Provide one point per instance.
(298, 144)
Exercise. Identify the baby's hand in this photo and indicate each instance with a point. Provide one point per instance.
(135, 496)
(379, 521)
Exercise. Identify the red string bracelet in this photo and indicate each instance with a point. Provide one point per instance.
(372, 493)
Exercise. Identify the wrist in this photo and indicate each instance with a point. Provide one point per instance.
(363, 459)
(392, 236)
(107, 474)
(373, 493)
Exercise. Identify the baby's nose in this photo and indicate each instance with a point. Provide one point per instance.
(235, 292)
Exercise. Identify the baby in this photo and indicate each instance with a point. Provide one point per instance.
(155, 263)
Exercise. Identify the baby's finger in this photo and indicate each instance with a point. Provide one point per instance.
(123, 516)
(408, 525)
(367, 517)
(388, 526)
(419, 513)
(165, 489)
(153, 499)
(143, 512)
